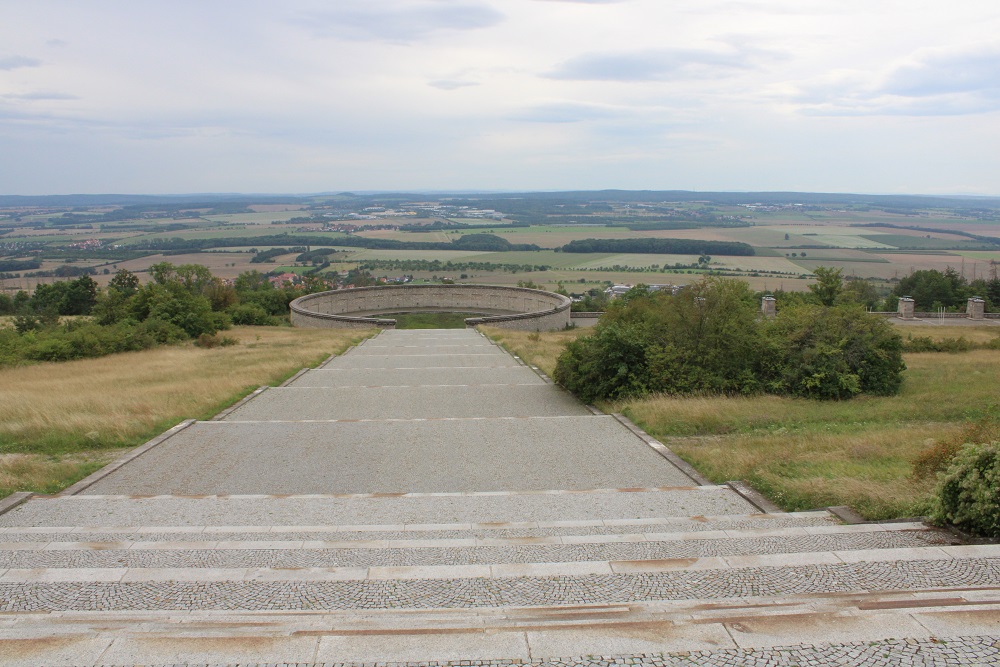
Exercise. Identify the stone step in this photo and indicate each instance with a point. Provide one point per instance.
(277, 553)
(396, 510)
(401, 348)
(500, 585)
(416, 377)
(490, 454)
(791, 523)
(487, 359)
(951, 633)
(940, 628)
(325, 403)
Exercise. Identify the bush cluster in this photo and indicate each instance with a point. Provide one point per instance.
(968, 492)
(179, 303)
(709, 339)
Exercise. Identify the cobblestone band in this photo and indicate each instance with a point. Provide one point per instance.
(543, 553)
(938, 652)
(505, 592)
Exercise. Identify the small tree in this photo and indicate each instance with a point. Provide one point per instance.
(829, 284)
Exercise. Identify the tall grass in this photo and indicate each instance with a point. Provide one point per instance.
(65, 413)
(538, 349)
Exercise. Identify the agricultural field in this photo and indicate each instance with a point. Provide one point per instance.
(883, 239)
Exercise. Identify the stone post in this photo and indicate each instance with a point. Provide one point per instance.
(768, 306)
(976, 309)
(905, 308)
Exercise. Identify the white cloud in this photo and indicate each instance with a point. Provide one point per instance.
(16, 62)
(930, 82)
(399, 21)
(650, 65)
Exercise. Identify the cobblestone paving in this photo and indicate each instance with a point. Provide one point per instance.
(547, 553)
(501, 592)
(937, 652)
(477, 533)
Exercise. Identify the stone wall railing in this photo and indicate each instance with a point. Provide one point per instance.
(507, 307)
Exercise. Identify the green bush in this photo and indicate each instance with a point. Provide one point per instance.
(709, 339)
(251, 314)
(968, 492)
(928, 344)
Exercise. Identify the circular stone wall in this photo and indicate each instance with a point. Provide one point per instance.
(508, 307)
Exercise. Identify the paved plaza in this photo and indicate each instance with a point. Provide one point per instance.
(428, 499)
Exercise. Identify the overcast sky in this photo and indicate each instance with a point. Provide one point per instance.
(157, 96)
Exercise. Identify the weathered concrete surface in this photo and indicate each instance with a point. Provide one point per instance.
(300, 403)
(424, 456)
(416, 360)
(332, 376)
(93, 510)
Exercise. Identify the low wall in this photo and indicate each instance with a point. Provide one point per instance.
(507, 307)
(585, 319)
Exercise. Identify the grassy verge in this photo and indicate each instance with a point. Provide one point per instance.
(805, 454)
(58, 421)
(538, 349)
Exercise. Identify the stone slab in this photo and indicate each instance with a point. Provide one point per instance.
(298, 403)
(370, 457)
(422, 361)
(416, 377)
(84, 510)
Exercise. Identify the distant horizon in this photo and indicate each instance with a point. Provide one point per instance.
(504, 191)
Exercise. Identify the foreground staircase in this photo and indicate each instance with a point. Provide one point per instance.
(428, 499)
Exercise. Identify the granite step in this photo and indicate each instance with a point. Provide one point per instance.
(204, 552)
(416, 377)
(501, 585)
(422, 360)
(662, 528)
(326, 403)
(387, 456)
(940, 628)
(394, 509)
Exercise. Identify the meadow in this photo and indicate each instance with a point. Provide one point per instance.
(61, 421)
(805, 454)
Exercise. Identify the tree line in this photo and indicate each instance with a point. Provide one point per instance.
(660, 246)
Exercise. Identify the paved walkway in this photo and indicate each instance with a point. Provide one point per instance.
(428, 499)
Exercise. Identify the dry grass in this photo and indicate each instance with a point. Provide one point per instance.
(49, 474)
(63, 412)
(869, 470)
(983, 333)
(538, 349)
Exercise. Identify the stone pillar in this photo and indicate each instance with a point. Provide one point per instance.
(905, 308)
(768, 306)
(976, 310)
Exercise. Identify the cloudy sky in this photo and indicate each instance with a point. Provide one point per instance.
(878, 96)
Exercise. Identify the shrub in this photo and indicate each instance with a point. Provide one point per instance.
(938, 457)
(251, 314)
(968, 493)
(208, 341)
(928, 344)
(708, 339)
(836, 352)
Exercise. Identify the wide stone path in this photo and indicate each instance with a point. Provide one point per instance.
(427, 498)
